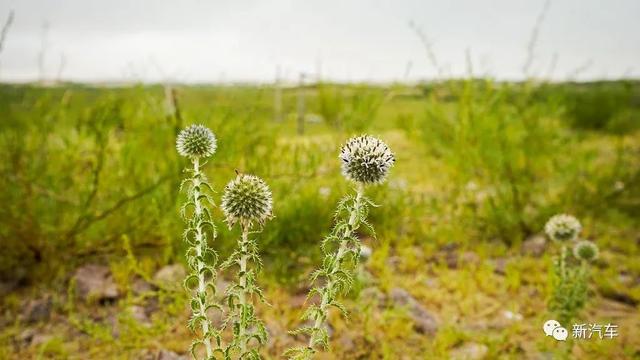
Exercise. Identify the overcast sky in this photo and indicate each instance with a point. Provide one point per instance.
(236, 40)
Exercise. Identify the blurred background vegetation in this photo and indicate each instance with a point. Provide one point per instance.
(90, 175)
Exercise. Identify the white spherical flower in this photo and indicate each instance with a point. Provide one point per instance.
(247, 199)
(563, 228)
(366, 159)
(585, 250)
(196, 141)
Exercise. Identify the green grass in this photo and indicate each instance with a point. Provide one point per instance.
(91, 175)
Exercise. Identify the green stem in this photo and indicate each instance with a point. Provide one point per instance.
(244, 251)
(200, 247)
(563, 262)
(335, 266)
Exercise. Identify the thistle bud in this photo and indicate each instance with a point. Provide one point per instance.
(366, 159)
(196, 141)
(247, 198)
(585, 250)
(563, 228)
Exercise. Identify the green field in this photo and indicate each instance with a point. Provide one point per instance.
(90, 175)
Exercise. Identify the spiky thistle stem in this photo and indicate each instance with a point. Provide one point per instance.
(245, 324)
(243, 283)
(337, 275)
(246, 201)
(198, 142)
(328, 291)
(201, 259)
(563, 262)
(365, 160)
(200, 247)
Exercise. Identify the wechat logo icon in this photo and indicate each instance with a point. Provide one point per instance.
(554, 329)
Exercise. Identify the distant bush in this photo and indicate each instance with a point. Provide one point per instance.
(602, 106)
(352, 108)
(498, 144)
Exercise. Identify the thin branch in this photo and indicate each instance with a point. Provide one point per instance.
(428, 46)
(61, 67)
(85, 221)
(531, 46)
(5, 29)
(43, 50)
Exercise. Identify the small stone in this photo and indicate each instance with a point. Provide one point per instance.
(169, 355)
(217, 317)
(470, 258)
(393, 261)
(500, 266)
(628, 279)
(39, 339)
(221, 286)
(278, 335)
(347, 344)
(95, 282)
(112, 321)
(139, 286)
(431, 282)
(534, 245)
(170, 276)
(511, 316)
(32, 337)
(7, 286)
(38, 310)
(451, 259)
(365, 277)
(26, 336)
(449, 247)
(424, 321)
(505, 319)
(329, 329)
(625, 279)
(139, 313)
(373, 293)
(298, 301)
(160, 355)
(469, 351)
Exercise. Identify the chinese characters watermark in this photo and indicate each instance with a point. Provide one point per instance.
(580, 331)
(587, 331)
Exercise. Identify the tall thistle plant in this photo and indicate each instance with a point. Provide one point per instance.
(246, 202)
(570, 271)
(366, 160)
(198, 143)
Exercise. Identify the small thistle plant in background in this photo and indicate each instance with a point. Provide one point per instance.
(570, 273)
(247, 202)
(198, 143)
(365, 160)
(563, 228)
(585, 251)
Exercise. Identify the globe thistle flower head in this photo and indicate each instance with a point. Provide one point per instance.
(247, 199)
(563, 228)
(366, 159)
(585, 250)
(196, 141)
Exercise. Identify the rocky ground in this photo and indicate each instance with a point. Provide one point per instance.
(449, 303)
